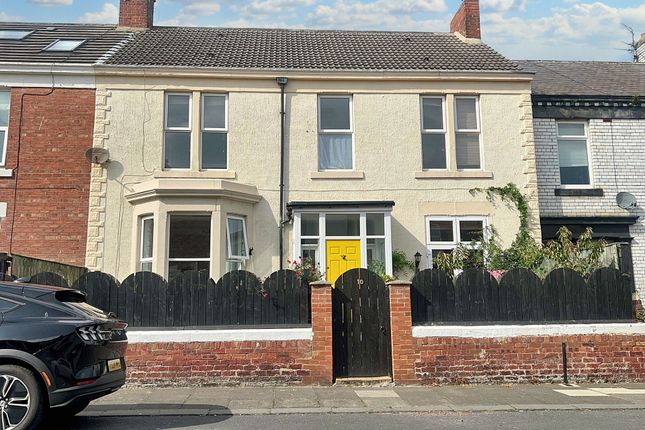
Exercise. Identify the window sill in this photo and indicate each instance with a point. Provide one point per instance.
(206, 174)
(6, 173)
(441, 174)
(579, 192)
(338, 174)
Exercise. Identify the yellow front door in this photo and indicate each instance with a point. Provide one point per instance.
(342, 255)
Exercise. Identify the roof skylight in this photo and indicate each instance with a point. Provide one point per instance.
(64, 45)
(14, 34)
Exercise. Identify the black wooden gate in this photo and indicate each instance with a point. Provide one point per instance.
(361, 325)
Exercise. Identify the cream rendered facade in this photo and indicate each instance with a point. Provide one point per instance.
(386, 116)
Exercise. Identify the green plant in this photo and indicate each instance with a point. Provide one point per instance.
(583, 256)
(306, 269)
(400, 262)
(378, 267)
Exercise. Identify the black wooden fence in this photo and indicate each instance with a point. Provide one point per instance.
(520, 296)
(191, 299)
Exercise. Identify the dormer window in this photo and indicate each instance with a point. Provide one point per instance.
(64, 45)
(14, 34)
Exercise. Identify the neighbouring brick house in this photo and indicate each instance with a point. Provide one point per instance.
(640, 49)
(589, 121)
(47, 118)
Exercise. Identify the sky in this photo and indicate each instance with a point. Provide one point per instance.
(519, 29)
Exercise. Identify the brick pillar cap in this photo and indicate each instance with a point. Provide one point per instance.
(319, 284)
(399, 284)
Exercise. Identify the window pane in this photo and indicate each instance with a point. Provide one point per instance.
(310, 249)
(574, 169)
(467, 148)
(214, 112)
(334, 113)
(178, 111)
(309, 225)
(2, 137)
(65, 45)
(214, 150)
(432, 113)
(232, 265)
(176, 267)
(436, 253)
(5, 98)
(146, 266)
(14, 34)
(375, 225)
(433, 149)
(335, 151)
(471, 230)
(177, 150)
(236, 237)
(376, 252)
(466, 114)
(568, 129)
(190, 236)
(343, 224)
(441, 231)
(146, 240)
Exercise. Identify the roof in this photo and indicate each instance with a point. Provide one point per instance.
(280, 49)
(100, 40)
(586, 78)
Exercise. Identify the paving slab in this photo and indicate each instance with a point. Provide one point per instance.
(251, 404)
(295, 398)
(421, 397)
(337, 397)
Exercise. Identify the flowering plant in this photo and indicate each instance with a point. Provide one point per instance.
(306, 269)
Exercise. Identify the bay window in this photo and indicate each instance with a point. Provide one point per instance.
(443, 234)
(573, 154)
(146, 245)
(5, 101)
(467, 133)
(178, 131)
(433, 133)
(237, 244)
(189, 244)
(335, 136)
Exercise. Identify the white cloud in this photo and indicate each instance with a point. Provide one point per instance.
(503, 5)
(191, 11)
(53, 2)
(109, 14)
(269, 7)
(9, 18)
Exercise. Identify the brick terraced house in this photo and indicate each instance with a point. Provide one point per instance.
(589, 122)
(47, 118)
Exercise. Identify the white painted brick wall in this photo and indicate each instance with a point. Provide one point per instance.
(614, 168)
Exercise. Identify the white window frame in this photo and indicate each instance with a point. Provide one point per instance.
(210, 240)
(6, 131)
(50, 47)
(230, 255)
(477, 131)
(580, 138)
(456, 233)
(443, 131)
(203, 129)
(188, 129)
(150, 259)
(350, 131)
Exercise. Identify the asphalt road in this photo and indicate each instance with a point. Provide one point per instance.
(532, 420)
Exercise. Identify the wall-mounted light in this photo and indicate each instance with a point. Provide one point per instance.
(417, 261)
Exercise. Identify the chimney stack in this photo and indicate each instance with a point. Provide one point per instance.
(466, 20)
(136, 14)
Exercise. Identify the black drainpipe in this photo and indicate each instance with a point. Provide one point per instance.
(282, 81)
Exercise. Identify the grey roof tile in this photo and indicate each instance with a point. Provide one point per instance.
(100, 40)
(586, 78)
(280, 49)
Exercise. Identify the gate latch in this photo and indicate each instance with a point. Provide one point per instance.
(383, 329)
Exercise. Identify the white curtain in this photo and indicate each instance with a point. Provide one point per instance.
(335, 151)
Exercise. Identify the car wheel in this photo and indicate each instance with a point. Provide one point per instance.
(68, 411)
(22, 404)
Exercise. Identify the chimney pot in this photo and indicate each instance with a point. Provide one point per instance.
(466, 20)
(136, 14)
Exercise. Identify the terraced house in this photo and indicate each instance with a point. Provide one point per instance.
(243, 148)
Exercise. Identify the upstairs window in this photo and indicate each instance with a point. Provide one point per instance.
(467, 136)
(335, 137)
(433, 133)
(14, 34)
(63, 45)
(573, 154)
(214, 132)
(178, 131)
(5, 102)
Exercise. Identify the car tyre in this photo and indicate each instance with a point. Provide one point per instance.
(22, 400)
(68, 411)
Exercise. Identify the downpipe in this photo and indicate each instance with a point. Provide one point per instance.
(282, 82)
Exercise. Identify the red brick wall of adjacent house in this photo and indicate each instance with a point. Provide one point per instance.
(467, 20)
(53, 178)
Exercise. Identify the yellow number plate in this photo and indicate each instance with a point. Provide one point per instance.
(114, 365)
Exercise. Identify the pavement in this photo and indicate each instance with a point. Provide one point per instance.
(258, 400)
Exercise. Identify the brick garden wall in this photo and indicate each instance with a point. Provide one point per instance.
(53, 175)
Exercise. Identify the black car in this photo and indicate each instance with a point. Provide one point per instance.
(57, 353)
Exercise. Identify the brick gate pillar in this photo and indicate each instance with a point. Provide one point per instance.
(403, 346)
(321, 365)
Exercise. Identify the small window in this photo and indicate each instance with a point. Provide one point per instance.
(343, 225)
(214, 132)
(445, 233)
(433, 133)
(573, 154)
(238, 248)
(5, 102)
(467, 138)
(309, 224)
(189, 247)
(335, 137)
(177, 135)
(63, 45)
(14, 34)
(147, 235)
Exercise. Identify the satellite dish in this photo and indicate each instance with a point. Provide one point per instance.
(626, 201)
(97, 155)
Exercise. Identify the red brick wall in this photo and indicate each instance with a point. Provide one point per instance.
(53, 176)
(466, 20)
(136, 13)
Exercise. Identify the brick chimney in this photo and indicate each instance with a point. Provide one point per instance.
(466, 20)
(136, 14)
